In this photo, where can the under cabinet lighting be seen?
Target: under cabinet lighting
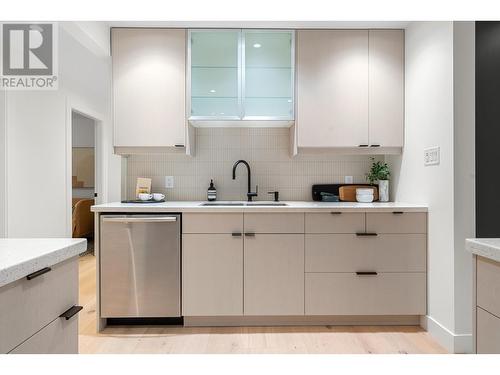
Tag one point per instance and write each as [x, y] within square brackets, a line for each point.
[212, 91]
[257, 45]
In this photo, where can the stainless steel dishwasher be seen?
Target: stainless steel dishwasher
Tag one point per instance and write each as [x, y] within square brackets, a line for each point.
[140, 266]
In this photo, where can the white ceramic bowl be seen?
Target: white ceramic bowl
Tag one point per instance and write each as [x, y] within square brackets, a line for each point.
[364, 198]
[364, 191]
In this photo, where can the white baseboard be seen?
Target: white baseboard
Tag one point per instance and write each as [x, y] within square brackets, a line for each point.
[452, 342]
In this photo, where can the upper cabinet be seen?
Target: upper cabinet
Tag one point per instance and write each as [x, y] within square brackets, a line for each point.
[240, 75]
[149, 84]
[350, 89]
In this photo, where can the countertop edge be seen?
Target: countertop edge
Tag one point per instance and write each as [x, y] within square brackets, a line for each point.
[19, 270]
[486, 250]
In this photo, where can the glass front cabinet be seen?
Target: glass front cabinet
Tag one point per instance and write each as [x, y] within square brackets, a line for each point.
[241, 75]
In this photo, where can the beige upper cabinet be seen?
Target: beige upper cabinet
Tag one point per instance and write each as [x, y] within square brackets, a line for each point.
[149, 69]
[332, 88]
[350, 88]
[386, 88]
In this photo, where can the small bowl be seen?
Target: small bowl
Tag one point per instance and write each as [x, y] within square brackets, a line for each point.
[364, 198]
[364, 191]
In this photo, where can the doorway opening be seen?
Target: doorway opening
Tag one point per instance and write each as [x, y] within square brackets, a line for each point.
[83, 176]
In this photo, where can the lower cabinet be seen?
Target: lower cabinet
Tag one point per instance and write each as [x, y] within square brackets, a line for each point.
[488, 332]
[212, 274]
[59, 337]
[274, 274]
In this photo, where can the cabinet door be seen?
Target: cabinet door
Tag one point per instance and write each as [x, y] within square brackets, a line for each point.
[212, 277]
[386, 87]
[268, 72]
[332, 88]
[149, 87]
[274, 274]
[215, 74]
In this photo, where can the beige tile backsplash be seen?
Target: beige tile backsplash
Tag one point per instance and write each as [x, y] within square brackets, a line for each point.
[267, 152]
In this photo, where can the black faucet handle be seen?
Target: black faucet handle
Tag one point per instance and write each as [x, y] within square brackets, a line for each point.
[276, 195]
[250, 194]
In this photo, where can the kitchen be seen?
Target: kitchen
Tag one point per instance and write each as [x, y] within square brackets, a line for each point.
[261, 187]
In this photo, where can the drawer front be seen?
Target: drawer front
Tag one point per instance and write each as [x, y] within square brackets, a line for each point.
[407, 222]
[335, 222]
[350, 253]
[349, 294]
[488, 333]
[274, 222]
[59, 337]
[488, 285]
[212, 222]
[26, 306]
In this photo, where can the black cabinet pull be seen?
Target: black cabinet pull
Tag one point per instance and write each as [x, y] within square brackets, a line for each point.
[335, 213]
[375, 145]
[250, 234]
[397, 212]
[366, 273]
[179, 146]
[366, 234]
[71, 312]
[35, 274]
[236, 234]
[363, 146]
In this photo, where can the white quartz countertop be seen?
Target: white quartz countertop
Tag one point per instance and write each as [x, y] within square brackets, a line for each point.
[485, 247]
[20, 257]
[311, 206]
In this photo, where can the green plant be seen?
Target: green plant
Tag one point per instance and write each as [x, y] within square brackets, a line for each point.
[378, 171]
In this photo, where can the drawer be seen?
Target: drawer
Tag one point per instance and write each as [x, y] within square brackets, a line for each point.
[274, 222]
[26, 306]
[487, 333]
[212, 222]
[59, 337]
[388, 222]
[349, 294]
[335, 222]
[488, 285]
[350, 253]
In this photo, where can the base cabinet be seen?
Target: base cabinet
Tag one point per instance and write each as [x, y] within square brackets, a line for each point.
[274, 274]
[212, 274]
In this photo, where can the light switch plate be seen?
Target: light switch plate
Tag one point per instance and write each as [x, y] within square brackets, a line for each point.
[431, 156]
[169, 182]
[348, 179]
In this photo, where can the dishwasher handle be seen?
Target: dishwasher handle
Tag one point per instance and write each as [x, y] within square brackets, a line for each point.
[152, 219]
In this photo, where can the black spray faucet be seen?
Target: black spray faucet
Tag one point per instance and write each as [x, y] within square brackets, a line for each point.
[249, 193]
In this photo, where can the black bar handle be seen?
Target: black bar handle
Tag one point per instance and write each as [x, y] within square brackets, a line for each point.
[336, 213]
[250, 234]
[236, 234]
[375, 145]
[71, 312]
[366, 234]
[35, 274]
[397, 212]
[366, 273]
[363, 145]
[179, 146]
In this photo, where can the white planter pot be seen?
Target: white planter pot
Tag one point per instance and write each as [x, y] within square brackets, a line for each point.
[383, 190]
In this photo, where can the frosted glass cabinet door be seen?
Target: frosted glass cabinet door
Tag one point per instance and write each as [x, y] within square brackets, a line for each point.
[215, 74]
[268, 74]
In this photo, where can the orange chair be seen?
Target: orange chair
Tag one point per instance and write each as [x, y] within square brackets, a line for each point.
[83, 218]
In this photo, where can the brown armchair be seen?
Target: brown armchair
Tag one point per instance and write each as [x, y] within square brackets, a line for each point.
[83, 218]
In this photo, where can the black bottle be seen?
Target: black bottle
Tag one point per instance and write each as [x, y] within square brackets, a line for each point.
[211, 192]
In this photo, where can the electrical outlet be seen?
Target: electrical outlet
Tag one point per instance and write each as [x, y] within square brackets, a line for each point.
[348, 179]
[169, 182]
[431, 156]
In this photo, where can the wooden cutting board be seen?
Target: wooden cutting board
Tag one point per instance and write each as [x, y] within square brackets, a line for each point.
[348, 193]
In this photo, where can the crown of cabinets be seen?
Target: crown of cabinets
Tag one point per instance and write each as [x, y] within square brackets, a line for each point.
[241, 75]
[348, 85]
[350, 89]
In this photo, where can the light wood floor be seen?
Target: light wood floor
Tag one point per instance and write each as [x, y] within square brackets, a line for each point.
[169, 339]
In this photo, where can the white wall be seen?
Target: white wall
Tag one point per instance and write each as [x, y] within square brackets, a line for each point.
[82, 131]
[39, 139]
[464, 169]
[3, 185]
[431, 110]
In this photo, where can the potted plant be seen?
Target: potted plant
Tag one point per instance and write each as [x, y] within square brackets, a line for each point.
[379, 173]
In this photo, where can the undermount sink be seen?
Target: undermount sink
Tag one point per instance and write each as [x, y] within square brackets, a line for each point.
[259, 204]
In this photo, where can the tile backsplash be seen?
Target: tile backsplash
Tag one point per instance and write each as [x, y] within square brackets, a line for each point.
[267, 152]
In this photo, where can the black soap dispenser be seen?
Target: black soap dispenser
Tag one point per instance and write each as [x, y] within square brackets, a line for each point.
[211, 192]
